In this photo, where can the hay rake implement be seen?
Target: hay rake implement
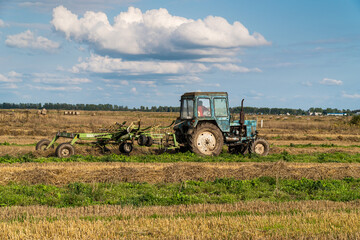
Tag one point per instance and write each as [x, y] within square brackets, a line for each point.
[120, 135]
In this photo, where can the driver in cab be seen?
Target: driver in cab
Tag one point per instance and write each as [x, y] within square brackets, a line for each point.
[202, 110]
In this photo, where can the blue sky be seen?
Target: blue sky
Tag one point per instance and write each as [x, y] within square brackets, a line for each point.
[281, 53]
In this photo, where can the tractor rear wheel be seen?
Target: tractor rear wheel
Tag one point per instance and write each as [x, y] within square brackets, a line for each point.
[64, 150]
[260, 147]
[206, 140]
[42, 144]
[126, 148]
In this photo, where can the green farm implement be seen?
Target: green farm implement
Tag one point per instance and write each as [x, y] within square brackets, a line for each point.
[120, 135]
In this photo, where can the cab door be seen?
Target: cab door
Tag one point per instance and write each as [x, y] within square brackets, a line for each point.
[221, 113]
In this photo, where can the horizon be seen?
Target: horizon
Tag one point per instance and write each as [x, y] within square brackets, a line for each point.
[136, 53]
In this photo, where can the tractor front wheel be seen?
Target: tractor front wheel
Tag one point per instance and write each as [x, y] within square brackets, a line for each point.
[260, 147]
[206, 140]
[65, 150]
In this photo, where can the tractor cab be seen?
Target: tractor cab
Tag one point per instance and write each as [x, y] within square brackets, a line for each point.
[204, 126]
[205, 106]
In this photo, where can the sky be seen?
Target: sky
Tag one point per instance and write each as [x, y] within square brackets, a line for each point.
[279, 53]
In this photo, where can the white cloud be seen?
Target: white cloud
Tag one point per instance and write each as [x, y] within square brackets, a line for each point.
[27, 39]
[154, 33]
[78, 5]
[9, 86]
[217, 60]
[2, 24]
[99, 64]
[50, 88]
[328, 81]
[352, 96]
[11, 77]
[50, 78]
[235, 68]
[30, 4]
[14, 74]
[183, 80]
[133, 90]
[146, 83]
[307, 84]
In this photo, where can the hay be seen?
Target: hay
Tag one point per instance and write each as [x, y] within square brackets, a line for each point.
[64, 173]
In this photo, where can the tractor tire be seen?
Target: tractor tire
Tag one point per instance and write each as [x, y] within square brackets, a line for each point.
[42, 144]
[126, 148]
[149, 142]
[206, 140]
[260, 147]
[65, 150]
[142, 139]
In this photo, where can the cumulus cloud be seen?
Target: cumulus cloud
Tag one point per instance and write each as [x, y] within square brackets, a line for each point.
[28, 39]
[155, 33]
[2, 24]
[328, 81]
[100, 64]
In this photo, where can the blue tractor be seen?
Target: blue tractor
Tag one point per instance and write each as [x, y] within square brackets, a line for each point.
[205, 125]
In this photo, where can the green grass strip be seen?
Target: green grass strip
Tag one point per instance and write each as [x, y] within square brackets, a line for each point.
[337, 157]
[310, 145]
[16, 144]
[189, 192]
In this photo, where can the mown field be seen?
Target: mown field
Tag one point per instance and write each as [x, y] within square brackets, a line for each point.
[308, 187]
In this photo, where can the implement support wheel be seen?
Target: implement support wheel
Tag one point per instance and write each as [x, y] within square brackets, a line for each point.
[42, 144]
[126, 148]
[65, 150]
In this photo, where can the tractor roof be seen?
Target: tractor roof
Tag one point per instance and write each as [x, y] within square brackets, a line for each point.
[204, 94]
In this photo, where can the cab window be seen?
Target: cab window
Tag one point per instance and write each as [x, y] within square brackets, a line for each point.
[220, 107]
[187, 108]
[203, 107]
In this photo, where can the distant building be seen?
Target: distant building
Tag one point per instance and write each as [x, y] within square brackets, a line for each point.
[336, 114]
[315, 113]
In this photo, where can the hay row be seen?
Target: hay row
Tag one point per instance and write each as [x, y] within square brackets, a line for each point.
[306, 224]
[249, 207]
[64, 173]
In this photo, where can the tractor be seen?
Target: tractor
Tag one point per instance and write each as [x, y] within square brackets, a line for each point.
[205, 125]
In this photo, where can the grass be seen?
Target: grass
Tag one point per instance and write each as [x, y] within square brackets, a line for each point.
[16, 144]
[191, 157]
[310, 145]
[188, 192]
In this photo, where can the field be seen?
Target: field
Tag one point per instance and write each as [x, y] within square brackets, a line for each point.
[308, 187]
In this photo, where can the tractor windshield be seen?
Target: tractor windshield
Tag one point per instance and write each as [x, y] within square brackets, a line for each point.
[187, 108]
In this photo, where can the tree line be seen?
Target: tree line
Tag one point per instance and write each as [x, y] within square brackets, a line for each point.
[110, 107]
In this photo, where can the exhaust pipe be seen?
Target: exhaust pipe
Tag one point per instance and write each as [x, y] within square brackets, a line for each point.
[242, 114]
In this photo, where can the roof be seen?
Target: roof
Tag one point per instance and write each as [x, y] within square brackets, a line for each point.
[205, 93]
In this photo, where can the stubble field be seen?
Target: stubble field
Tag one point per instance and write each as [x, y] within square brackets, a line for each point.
[308, 187]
